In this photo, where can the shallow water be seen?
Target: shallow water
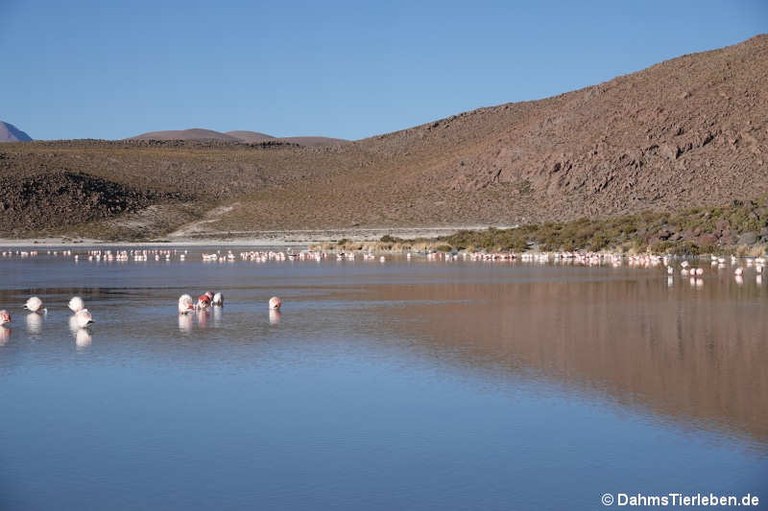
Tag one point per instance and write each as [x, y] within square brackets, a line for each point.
[413, 385]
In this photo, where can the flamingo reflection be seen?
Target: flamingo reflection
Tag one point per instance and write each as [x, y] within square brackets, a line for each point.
[5, 335]
[34, 323]
[83, 338]
[185, 323]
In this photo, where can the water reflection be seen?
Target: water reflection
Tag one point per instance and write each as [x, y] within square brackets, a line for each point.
[83, 338]
[5, 335]
[34, 323]
[186, 323]
[688, 353]
[274, 317]
[202, 318]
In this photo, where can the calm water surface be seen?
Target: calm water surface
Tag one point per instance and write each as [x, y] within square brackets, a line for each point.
[405, 385]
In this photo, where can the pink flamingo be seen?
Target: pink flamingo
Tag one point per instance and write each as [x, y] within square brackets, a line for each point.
[275, 303]
[83, 318]
[204, 300]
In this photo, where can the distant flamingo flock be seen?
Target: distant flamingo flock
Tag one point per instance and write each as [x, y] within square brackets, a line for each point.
[82, 318]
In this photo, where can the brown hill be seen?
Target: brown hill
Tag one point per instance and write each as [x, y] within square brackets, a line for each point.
[690, 131]
[250, 137]
[194, 134]
[314, 141]
[242, 136]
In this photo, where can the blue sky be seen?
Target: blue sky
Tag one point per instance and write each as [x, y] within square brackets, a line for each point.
[114, 69]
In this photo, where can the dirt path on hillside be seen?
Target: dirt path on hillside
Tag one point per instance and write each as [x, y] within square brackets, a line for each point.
[198, 228]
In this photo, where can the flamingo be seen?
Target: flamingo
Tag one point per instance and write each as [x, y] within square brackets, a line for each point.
[34, 304]
[76, 304]
[186, 305]
[275, 303]
[204, 300]
[83, 318]
[218, 299]
[5, 317]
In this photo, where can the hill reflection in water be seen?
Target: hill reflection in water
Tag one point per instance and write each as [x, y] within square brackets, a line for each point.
[691, 354]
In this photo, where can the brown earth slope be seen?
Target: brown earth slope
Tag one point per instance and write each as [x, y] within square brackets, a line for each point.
[690, 131]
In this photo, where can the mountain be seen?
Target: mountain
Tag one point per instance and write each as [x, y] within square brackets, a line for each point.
[314, 141]
[250, 137]
[242, 136]
[194, 134]
[10, 133]
[692, 131]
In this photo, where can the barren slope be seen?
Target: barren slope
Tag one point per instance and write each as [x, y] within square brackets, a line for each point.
[685, 132]
[690, 131]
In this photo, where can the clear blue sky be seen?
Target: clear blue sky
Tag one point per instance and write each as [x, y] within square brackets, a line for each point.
[349, 69]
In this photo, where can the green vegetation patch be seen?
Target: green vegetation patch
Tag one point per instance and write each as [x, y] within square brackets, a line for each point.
[739, 226]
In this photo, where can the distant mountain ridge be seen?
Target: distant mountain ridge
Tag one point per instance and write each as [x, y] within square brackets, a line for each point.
[10, 133]
[242, 136]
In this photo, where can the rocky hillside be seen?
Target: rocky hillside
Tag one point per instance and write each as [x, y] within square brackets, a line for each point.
[692, 131]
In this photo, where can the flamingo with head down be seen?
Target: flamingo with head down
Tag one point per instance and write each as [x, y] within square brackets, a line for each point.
[83, 318]
[34, 304]
[186, 305]
[76, 304]
[275, 303]
[204, 300]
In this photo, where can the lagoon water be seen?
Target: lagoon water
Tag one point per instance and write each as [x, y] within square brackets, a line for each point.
[406, 385]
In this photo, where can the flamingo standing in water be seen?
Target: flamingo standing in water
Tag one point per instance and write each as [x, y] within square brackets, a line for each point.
[204, 300]
[275, 303]
[5, 317]
[76, 304]
[186, 305]
[218, 299]
[83, 318]
[34, 304]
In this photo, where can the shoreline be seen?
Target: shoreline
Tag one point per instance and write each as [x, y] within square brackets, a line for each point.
[267, 238]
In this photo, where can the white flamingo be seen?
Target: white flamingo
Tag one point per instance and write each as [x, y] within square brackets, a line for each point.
[186, 304]
[34, 304]
[5, 317]
[83, 318]
[76, 304]
[218, 299]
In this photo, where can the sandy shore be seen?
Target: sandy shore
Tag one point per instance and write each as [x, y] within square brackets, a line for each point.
[275, 238]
